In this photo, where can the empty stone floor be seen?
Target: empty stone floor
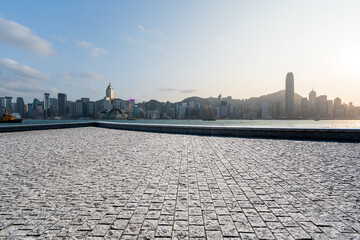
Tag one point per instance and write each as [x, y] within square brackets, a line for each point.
[95, 183]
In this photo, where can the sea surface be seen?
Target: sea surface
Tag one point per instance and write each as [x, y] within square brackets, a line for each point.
[238, 123]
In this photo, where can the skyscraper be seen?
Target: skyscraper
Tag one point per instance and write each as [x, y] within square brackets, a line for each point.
[46, 104]
[110, 92]
[9, 104]
[312, 102]
[20, 105]
[289, 95]
[62, 98]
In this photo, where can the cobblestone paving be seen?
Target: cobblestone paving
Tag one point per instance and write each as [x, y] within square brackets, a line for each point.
[100, 183]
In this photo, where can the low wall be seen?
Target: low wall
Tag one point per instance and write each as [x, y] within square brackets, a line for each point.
[46, 126]
[315, 134]
[322, 134]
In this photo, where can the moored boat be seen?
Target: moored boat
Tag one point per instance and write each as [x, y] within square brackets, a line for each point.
[10, 118]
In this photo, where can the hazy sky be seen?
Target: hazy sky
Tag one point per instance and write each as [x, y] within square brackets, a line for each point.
[169, 50]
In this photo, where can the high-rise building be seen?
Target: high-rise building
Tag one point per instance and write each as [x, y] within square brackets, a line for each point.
[339, 109]
[35, 103]
[330, 108]
[110, 92]
[29, 110]
[2, 106]
[79, 109]
[8, 104]
[304, 107]
[321, 106]
[20, 105]
[289, 95]
[62, 98]
[54, 106]
[312, 103]
[46, 104]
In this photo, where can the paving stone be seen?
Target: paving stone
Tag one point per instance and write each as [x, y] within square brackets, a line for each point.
[164, 231]
[93, 183]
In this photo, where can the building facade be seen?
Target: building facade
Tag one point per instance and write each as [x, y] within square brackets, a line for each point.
[289, 95]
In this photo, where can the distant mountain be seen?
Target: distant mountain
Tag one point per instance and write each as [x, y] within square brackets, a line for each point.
[152, 104]
[197, 100]
[271, 98]
[275, 97]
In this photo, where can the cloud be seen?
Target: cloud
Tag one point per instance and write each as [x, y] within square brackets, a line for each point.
[144, 43]
[97, 51]
[93, 89]
[167, 89]
[22, 37]
[67, 75]
[10, 66]
[20, 80]
[83, 44]
[143, 29]
[177, 90]
[92, 75]
[93, 51]
[60, 39]
[133, 40]
[163, 50]
[188, 90]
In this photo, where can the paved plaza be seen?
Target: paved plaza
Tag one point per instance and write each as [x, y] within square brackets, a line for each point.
[96, 183]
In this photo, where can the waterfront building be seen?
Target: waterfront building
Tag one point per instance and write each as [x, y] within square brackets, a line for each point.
[85, 106]
[70, 109]
[321, 106]
[90, 109]
[39, 111]
[117, 103]
[219, 99]
[265, 114]
[62, 98]
[8, 104]
[46, 104]
[231, 110]
[305, 107]
[312, 103]
[289, 95]
[2, 106]
[339, 109]
[36, 102]
[54, 106]
[180, 112]
[330, 108]
[168, 109]
[20, 106]
[223, 109]
[136, 111]
[79, 109]
[110, 92]
[29, 110]
[131, 105]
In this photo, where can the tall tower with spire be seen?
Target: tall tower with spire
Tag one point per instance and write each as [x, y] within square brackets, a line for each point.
[289, 95]
[110, 92]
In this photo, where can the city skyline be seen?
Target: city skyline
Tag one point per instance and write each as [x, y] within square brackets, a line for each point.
[286, 104]
[171, 51]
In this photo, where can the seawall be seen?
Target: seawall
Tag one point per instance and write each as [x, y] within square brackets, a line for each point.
[313, 134]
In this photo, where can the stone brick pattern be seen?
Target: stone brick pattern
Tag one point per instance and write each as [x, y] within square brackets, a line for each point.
[94, 183]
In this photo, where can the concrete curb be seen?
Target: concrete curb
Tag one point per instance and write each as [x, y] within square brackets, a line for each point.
[47, 126]
[313, 134]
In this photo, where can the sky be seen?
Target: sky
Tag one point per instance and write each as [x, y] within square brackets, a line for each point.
[170, 50]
